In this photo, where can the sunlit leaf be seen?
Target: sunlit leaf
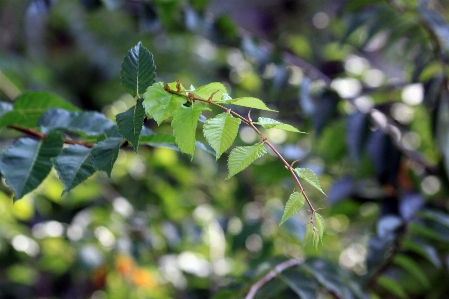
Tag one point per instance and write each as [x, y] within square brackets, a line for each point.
[412, 268]
[308, 175]
[250, 103]
[293, 206]
[160, 104]
[392, 286]
[242, 156]
[215, 88]
[26, 163]
[309, 232]
[269, 123]
[221, 131]
[130, 123]
[105, 153]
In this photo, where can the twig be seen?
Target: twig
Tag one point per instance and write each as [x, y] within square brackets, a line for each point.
[272, 274]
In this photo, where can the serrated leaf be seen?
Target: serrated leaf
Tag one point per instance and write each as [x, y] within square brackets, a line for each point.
[207, 90]
[27, 162]
[308, 175]
[74, 165]
[293, 206]
[250, 103]
[319, 223]
[411, 267]
[309, 231]
[88, 123]
[130, 123]
[315, 237]
[138, 70]
[185, 120]
[29, 107]
[160, 104]
[392, 286]
[221, 131]
[242, 156]
[105, 153]
[269, 123]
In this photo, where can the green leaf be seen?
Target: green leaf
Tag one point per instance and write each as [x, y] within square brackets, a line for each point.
[130, 123]
[392, 286]
[158, 138]
[138, 70]
[29, 107]
[250, 103]
[269, 123]
[160, 104]
[242, 156]
[315, 237]
[293, 206]
[74, 165]
[319, 223]
[308, 175]
[27, 162]
[221, 131]
[309, 232]
[411, 267]
[88, 123]
[185, 120]
[207, 90]
[105, 153]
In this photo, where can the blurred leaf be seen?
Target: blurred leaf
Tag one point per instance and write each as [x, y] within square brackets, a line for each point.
[357, 132]
[293, 206]
[384, 155]
[377, 251]
[160, 104]
[130, 123]
[410, 204]
[105, 153]
[392, 286]
[184, 123]
[29, 107]
[269, 123]
[387, 225]
[242, 156]
[5, 107]
[302, 285]
[221, 131]
[411, 267]
[327, 111]
[341, 189]
[309, 232]
[425, 250]
[319, 222]
[436, 22]
[437, 216]
[442, 129]
[26, 163]
[250, 103]
[158, 138]
[74, 166]
[215, 88]
[138, 70]
[309, 176]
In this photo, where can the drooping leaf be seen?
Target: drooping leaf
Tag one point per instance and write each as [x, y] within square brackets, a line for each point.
[309, 232]
[378, 249]
[425, 250]
[160, 104]
[138, 70]
[250, 103]
[185, 120]
[27, 162]
[327, 274]
[302, 285]
[87, 123]
[308, 175]
[319, 222]
[293, 206]
[74, 165]
[392, 286]
[130, 123]
[207, 90]
[105, 153]
[412, 268]
[221, 131]
[242, 156]
[269, 123]
[29, 107]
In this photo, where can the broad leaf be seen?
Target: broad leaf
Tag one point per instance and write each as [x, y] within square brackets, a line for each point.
[185, 120]
[138, 70]
[105, 153]
[250, 103]
[242, 156]
[293, 206]
[27, 162]
[221, 131]
[207, 90]
[160, 104]
[5, 107]
[392, 286]
[130, 123]
[269, 123]
[308, 175]
[74, 165]
[29, 107]
[88, 123]
[412, 268]
[319, 223]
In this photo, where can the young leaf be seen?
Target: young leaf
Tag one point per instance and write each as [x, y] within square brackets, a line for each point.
[138, 70]
[250, 103]
[412, 268]
[105, 153]
[242, 156]
[293, 206]
[130, 123]
[309, 232]
[27, 162]
[160, 104]
[315, 237]
[185, 120]
[74, 165]
[269, 123]
[220, 132]
[308, 175]
[319, 223]
[29, 107]
[207, 90]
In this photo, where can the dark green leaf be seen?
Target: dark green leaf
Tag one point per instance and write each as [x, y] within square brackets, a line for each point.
[392, 286]
[27, 162]
[105, 153]
[138, 70]
[302, 285]
[412, 268]
[130, 123]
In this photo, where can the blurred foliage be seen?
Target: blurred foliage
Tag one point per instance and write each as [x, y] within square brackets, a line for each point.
[366, 79]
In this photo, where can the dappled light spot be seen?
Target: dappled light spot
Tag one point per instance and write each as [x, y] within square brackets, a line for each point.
[356, 65]
[204, 213]
[104, 235]
[411, 140]
[205, 49]
[413, 94]
[373, 78]
[193, 263]
[364, 103]
[247, 135]
[252, 211]
[234, 225]
[25, 244]
[430, 185]
[402, 113]
[254, 243]
[353, 258]
[347, 87]
[122, 206]
[320, 20]
[48, 229]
